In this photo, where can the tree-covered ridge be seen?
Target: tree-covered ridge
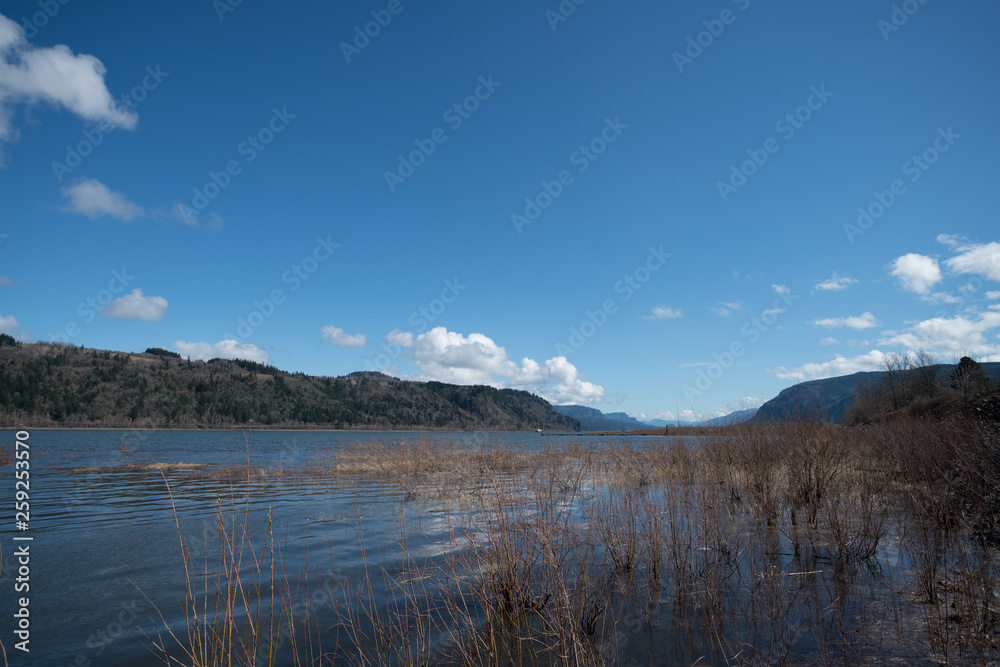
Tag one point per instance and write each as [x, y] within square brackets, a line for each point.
[47, 385]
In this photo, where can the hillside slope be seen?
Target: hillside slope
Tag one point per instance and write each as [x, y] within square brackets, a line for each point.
[829, 398]
[592, 419]
[45, 385]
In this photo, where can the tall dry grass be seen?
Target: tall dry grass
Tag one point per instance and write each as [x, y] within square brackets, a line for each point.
[800, 543]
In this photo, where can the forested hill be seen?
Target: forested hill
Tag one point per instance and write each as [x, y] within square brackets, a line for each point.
[45, 385]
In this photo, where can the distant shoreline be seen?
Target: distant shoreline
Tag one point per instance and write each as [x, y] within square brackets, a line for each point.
[267, 430]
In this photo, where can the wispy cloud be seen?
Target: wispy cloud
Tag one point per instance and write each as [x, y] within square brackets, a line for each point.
[835, 283]
[93, 199]
[857, 322]
[661, 312]
[340, 338]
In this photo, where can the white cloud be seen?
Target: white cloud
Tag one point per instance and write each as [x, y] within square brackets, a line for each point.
[952, 240]
[338, 337]
[952, 337]
[916, 273]
[992, 295]
[224, 349]
[398, 337]
[838, 366]
[54, 75]
[981, 259]
[829, 341]
[135, 306]
[781, 289]
[189, 216]
[10, 326]
[942, 297]
[691, 416]
[726, 308]
[857, 322]
[835, 283]
[448, 356]
[93, 199]
[664, 313]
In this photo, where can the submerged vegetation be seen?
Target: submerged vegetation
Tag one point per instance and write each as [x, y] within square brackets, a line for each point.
[764, 544]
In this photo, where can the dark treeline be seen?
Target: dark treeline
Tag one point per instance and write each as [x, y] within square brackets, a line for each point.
[915, 384]
[55, 385]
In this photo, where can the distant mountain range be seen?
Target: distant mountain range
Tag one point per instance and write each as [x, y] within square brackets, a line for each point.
[592, 419]
[828, 399]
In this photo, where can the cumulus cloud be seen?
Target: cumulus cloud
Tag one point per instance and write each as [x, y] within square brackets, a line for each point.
[916, 273]
[661, 312]
[224, 349]
[952, 337]
[838, 366]
[10, 326]
[135, 306]
[829, 341]
[54, 75]
[835, 283]
[94, 199]
[781, 289]
[857, 322]
[337, 336]
[449, 356]
[992, 295]
[980, 259]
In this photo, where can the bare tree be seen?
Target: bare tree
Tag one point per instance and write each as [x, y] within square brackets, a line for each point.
[898, 377]
[927, 373]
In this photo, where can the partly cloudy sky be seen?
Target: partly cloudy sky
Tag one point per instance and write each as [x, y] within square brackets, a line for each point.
[584, 217]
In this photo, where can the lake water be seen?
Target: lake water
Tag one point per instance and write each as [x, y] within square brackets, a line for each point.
[106, 572]
[107, 575]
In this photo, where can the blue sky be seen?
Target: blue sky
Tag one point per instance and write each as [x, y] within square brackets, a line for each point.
[651, 207]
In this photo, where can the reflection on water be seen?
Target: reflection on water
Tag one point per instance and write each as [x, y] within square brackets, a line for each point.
[633, 571]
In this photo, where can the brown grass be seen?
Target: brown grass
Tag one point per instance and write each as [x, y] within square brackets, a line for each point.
[789, 544]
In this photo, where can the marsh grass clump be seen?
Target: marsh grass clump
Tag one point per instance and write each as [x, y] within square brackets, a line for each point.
[802, 543]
